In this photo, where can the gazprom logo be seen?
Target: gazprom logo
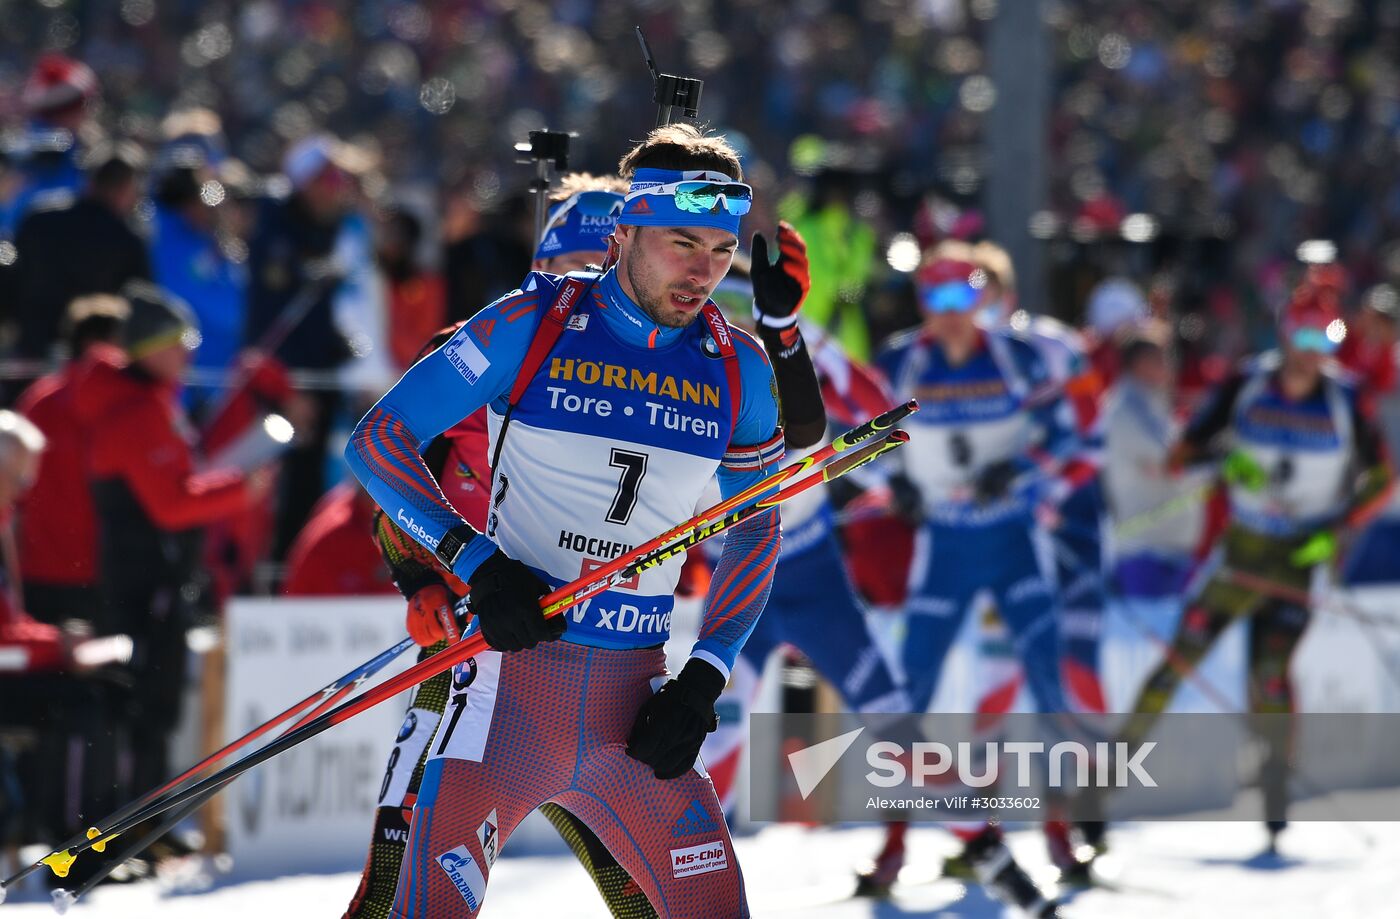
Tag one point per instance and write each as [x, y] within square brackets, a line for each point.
[464, 873]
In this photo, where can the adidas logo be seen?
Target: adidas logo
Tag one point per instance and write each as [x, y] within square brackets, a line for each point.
[694, 821]
[639, 206]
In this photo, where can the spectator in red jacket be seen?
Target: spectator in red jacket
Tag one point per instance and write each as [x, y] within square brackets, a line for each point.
[57, 527]
[66, 772]
[152, 505]
[26, 645]
[333, 555]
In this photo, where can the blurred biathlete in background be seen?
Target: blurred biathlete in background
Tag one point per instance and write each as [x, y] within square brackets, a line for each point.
[994, 427]
[576, 722]
[1305, 469]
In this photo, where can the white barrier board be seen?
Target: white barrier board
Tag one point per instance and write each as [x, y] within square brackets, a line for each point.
[309, 809]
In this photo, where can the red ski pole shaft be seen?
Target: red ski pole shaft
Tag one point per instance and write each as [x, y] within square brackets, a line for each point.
[575, 592]
[330, 691]
[853, 438]
[133, 846]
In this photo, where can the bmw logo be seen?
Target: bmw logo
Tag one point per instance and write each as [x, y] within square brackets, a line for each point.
[464, 673]
[410, 722]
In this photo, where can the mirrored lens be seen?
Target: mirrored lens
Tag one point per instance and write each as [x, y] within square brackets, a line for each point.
[948, 298]
[1309, 339]
[598, 203]
[707, 197]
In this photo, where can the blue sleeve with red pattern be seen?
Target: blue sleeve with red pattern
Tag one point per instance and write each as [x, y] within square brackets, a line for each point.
[475, 367]
[744, 574]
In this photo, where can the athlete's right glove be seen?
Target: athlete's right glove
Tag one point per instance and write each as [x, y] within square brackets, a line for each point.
[672, 724]
[779, 289]
[432, 616]
[506, 598]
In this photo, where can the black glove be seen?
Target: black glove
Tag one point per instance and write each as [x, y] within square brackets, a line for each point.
[506, 598]
[673, 723]
[995, 481]
[779, 289]
[906, 500]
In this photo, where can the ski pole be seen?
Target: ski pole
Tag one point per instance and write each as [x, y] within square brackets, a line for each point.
[1192, 674]
[63, 899]
[644, 557]
[854, 437]
[1305, 599]
[350, 680]
[553, 603]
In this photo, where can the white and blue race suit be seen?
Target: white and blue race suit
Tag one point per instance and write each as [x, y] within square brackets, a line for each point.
[999, 405]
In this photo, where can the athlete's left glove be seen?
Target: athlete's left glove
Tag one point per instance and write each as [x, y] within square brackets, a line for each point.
[672, 724]
[1318, 549]
[432, 616]
[506, 598]
[779, 288]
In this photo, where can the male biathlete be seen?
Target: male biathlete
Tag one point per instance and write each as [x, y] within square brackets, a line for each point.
[604, 436]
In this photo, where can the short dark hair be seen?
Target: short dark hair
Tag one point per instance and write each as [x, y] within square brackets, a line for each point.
[94, 318]
[115, 167]
[684, 147]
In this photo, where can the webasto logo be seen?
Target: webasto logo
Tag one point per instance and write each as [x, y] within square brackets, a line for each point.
[409, 525]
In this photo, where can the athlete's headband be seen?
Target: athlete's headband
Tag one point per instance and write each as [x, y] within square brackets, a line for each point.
[582, 223]
[690, 198]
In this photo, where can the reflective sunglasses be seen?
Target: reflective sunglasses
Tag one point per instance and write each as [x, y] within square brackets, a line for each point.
[957, 297]
[594, 204]
[696, 197]
[1309, 338]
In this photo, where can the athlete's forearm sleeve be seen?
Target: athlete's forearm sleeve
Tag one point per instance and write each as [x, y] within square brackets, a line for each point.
[385, 449]
[744, 573]
[1061, 447]
[799, 393]
[412, 566]
[1213, 419]
[738, 590]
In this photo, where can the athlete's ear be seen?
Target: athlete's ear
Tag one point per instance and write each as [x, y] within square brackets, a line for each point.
[614, 250]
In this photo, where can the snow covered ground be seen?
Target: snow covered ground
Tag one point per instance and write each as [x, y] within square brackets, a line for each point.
[1324, 870]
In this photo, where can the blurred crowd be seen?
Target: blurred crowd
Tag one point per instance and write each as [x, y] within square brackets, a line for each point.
[225, 228]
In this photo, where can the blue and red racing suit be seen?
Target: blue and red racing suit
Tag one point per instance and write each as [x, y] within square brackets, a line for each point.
[609, 444]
